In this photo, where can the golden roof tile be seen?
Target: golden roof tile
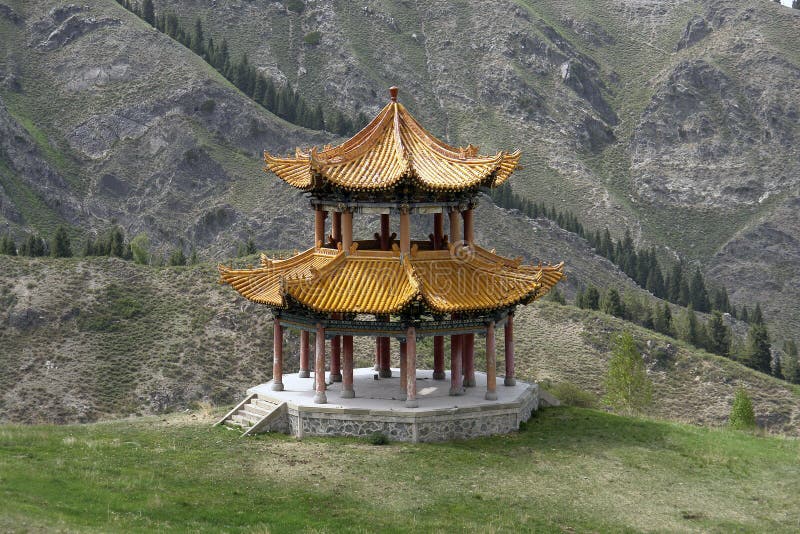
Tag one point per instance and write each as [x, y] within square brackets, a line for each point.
[381, 282]
[392, 147]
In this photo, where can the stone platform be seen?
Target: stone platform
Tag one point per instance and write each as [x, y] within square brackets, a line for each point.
[378, 407]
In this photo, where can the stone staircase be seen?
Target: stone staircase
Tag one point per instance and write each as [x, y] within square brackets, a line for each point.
[254, 415]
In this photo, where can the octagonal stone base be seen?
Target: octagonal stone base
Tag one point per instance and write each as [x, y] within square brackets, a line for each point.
[378, 407]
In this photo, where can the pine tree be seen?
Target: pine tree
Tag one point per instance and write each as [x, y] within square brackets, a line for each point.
[198, 39]
[116, 243]
[8, 245]
[628, 388]
[744, 316]
[556, 296]
[791, 366]
[758, 348]
[592, 298]
[675, 280]
[663, 319]
[606, 245]
[719, 335]
[697, 290]
[758, 317]
[148, 12]
[742, 415]
[580, 300]
[612, 304]
[140, 249]
[61, 247]
[177, 258]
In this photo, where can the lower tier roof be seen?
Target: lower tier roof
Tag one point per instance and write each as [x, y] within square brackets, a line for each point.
[460, 279]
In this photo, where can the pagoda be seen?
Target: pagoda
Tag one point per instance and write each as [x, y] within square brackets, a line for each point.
[387, 286]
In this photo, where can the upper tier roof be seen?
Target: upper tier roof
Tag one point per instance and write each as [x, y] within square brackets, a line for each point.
[391, 147]
[377, 282]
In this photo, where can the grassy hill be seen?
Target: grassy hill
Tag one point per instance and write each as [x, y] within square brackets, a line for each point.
[569, 470]
[84, 339]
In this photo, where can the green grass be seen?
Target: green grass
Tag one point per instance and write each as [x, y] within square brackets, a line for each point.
[570, 470]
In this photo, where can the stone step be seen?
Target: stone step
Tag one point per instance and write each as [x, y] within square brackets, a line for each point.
[251, 416]
[263, 403]
[259, 409]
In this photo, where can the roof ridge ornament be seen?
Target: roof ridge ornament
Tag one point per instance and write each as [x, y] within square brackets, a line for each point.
[393, 93]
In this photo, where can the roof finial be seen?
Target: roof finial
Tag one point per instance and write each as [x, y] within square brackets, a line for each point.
[393, 93]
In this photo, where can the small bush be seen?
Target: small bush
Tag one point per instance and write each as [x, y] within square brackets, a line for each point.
[378, 438]
[742, 415]
[571, 395]
[312, 38]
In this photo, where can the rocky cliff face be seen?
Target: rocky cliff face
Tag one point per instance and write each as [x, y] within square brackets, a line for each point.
[677, 119]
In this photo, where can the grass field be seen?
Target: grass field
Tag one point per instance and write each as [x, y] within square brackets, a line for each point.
[569, 470]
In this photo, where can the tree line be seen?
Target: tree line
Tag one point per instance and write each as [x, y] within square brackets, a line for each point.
[677, 284]
[111, 243]
[281, 99]
[712, 335]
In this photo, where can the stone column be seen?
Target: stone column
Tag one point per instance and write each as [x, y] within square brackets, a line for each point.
[491, 364]
[378, 346]
[319, 226]
[304, 369]
[336, 359]
[510, 379]
[438, 230]
[277, 356]
[405, 231]
[455, 230]
[336, 227]
[403, 369]
[386, 358]
[469, 233]
[347, 364]
[411, 363]
[456, 377]
[319, 367]
[347, 230]
[438, 358]
[468, 349]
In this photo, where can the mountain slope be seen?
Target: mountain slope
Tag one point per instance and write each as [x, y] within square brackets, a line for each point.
[88, 339]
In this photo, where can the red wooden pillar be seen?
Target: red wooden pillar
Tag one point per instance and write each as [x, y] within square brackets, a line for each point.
[469, 359]
[438, 358]
[456, 377]
[277, 356]
[386, 363]
[385, 245]
[336, 359]
[510, 379]
[319, 367]
[491, 364]
[455, 230]
[411, 363]
[319, 227]
[403, 369]
[347, 377]
[438, 230]
[304, 369]
[469, 234]
[347, 230]
[336, 227]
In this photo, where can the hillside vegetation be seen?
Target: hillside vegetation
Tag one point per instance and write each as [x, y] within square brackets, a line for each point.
[568, 470]
[84, 339]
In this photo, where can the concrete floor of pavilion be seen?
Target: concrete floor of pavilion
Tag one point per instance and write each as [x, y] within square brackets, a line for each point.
[385, 394]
